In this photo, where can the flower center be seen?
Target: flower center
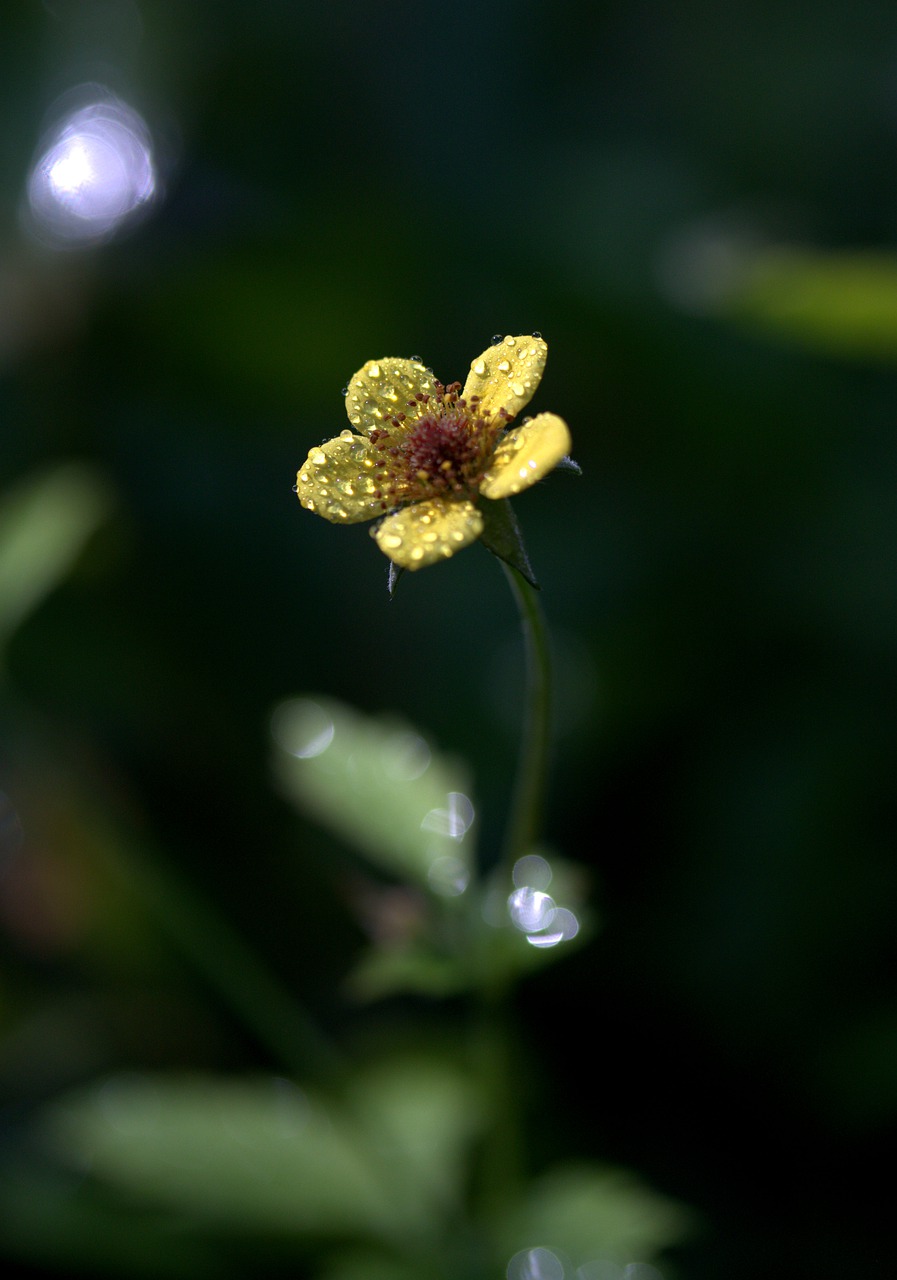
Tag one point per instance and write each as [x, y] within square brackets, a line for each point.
[444, 452]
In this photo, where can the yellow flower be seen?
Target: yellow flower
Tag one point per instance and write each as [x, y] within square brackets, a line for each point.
[426, 453]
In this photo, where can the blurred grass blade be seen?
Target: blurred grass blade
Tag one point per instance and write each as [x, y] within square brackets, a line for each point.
[44, 523]
[380, 786]
[843, 304]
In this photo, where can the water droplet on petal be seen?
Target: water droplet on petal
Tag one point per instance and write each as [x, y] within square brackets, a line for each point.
[518, 388]
[536, 333]
[319, 457]
[504, 366]
[496, 338]
[392, 540]
[373, 371]
[479, 367]
[510, 342]
[346, 434]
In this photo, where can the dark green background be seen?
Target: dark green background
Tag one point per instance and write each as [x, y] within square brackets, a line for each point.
[355, 180]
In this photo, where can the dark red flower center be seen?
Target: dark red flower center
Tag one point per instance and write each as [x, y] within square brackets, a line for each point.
[446, 451]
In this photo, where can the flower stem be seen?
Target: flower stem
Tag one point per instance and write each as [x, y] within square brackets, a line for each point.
[524, 822]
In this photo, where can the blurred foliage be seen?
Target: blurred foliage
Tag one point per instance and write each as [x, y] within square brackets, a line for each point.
[697, 207]
[44, 524]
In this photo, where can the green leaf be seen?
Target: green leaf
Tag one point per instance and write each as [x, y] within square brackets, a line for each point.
[261, 1155]
[368, 1265]
[425, 1112]
[389, 971]
[44, 524]
[378, 784]
[587, 1213]
[501, 535]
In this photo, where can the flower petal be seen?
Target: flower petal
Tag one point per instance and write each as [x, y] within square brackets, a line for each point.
[507, 375]
[525, 455]
[383, 388]
[428, 531]
[337, 480]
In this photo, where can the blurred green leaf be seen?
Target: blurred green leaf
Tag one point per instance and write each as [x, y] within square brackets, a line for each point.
[389, 971]
[366, 1265]
[380, 786]
[262, 1155]
[841, 303]
[59, 1222]
[426, 1112]
[44, 523]
[255, 1153]
[587, 1212]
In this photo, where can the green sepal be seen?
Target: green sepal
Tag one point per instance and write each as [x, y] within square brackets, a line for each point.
[501, 535]
[568, 464]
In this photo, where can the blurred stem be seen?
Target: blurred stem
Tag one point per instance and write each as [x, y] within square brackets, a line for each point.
[525, 818]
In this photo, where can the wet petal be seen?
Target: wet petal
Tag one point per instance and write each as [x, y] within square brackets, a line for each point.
[525, 455]
[386, 387]
[337, 480]
[507, 375]
[428, 531]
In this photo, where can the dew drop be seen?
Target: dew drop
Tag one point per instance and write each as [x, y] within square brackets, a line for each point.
[303, 476]
[392, 540]
[504, 366]
[510, 342]
[417, 553]
[345, 391]
[479, 367]
[346, 435]
[457, 535]
[416, 360]
[373, 371]
[318, 457]
[536, 333]
[496, 338]
[518, 388]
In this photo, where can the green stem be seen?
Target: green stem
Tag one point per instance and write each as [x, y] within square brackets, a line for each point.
[525, 819]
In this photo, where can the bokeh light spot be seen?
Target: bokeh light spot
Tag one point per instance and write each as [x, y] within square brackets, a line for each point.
[535, 1264]
[95, 171]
